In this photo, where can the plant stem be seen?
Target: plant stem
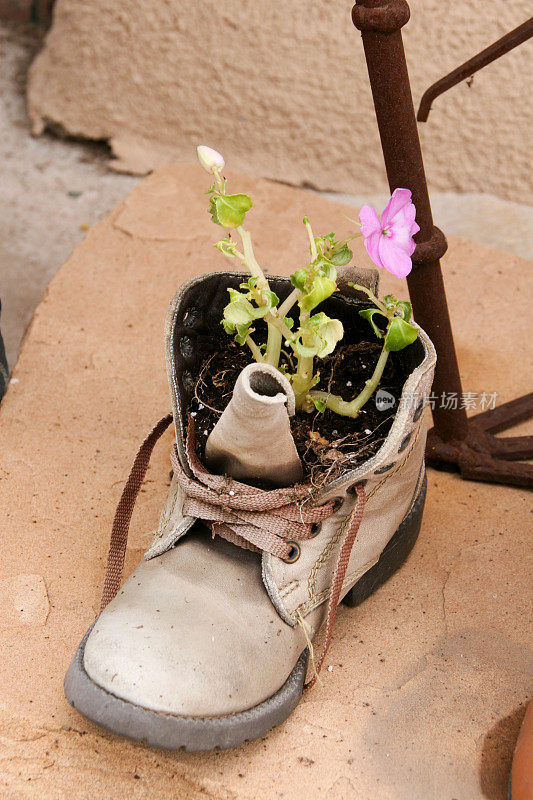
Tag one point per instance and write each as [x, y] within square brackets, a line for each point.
[271, 318]
[250, 259]
[274, 336]
[303, 379]
[240, 256]
[287, 304]
[256, 352]
[273, 348]
[277, 330]
[219, 181]
[302, 382]
[352, 408]
[371, 296]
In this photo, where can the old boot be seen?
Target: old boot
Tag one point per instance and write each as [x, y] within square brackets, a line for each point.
[206, 645]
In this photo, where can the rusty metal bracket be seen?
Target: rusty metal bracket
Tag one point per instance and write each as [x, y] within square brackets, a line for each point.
[484, 457]
[487, 56]
[467, 444]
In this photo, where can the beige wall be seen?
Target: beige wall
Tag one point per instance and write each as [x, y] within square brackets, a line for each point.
[280, 86]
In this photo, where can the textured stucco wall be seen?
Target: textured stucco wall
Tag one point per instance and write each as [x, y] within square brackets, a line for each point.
[281, 88]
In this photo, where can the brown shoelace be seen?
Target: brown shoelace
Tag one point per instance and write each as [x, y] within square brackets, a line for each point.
[255, 519]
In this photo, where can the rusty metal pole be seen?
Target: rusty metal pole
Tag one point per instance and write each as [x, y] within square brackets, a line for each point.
[467, 444]
[380, 22]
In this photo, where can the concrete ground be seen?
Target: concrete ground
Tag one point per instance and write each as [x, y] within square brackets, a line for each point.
[427, 680]
[53, 190]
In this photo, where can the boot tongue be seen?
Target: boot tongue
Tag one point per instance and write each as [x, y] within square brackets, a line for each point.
[252, 440]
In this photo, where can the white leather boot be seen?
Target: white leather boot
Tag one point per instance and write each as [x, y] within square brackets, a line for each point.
[207, 643]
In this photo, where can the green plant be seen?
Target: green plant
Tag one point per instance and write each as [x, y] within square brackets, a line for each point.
[313, 335]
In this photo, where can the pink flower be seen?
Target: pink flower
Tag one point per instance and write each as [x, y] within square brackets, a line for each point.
[389, 238]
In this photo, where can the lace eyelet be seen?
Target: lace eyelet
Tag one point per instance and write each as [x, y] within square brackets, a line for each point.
[316, 527]
[351, 489]
[294, 553]
[338, 502]
[404, 443]
[381, 470]
[419, 410]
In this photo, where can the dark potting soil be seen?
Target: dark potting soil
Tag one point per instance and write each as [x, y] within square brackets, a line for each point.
[327, 443]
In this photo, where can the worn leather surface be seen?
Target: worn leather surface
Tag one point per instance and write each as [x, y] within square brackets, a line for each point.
[391, 477]
[173, 523]
[193, 632]
[252, 440]
[203, 627]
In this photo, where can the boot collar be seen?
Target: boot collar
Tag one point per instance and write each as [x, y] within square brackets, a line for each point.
[196, 309]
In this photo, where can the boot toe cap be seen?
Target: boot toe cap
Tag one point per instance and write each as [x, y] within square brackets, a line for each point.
[193, 633]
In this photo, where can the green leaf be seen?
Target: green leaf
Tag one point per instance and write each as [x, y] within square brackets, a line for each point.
[235, 296]
[318, 404]
[368, 314]
[322, 289]
[303, 350]
[239, 312]
[328, 270]
[228, 210]
[231, 325]
[251, 283]
[322, 334]
[325, 243]
[289, 322]
[270, 297]
[242, 333]
[400, 334]
[342, 256]
[298, 279]
[405, 310]
[329, 331]
[390, 302]
[226, 247]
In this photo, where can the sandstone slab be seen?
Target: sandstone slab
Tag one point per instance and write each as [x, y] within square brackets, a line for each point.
[428, 677]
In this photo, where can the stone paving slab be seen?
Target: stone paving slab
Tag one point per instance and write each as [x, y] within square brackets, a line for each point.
[429, 676]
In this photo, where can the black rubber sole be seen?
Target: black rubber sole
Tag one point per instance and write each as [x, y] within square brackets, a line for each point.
[173, 732]
[200, 734]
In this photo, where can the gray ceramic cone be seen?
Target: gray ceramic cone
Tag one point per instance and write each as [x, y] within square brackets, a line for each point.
[252, 439]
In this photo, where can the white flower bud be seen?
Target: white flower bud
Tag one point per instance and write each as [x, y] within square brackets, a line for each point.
[209, 158]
